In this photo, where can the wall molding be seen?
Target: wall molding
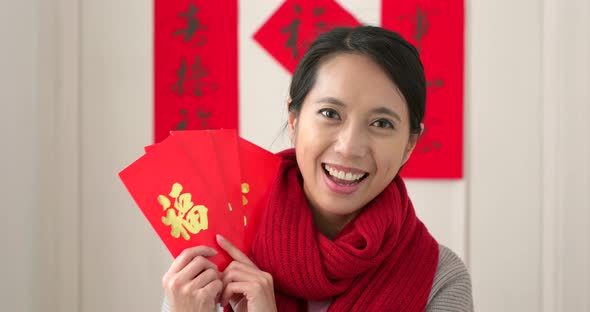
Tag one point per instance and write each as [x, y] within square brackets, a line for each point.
[59, 93]
[550, 214]
[566, 156]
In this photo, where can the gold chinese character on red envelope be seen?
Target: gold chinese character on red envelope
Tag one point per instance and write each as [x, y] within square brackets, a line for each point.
[184, 217]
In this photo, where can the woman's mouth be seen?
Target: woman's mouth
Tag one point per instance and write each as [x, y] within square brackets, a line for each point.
[341, 179]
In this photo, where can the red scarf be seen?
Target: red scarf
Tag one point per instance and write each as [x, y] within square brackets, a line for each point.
[384, 259]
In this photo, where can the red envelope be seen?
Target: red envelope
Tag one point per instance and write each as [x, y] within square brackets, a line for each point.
[148, 148]
[221, 171]
[226, 146]
[181, 206]
[259, 169]
[206, 156]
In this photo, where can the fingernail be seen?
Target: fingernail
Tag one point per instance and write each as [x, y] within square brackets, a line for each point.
[220, 239]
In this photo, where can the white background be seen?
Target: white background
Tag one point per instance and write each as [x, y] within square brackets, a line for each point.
[76, 107]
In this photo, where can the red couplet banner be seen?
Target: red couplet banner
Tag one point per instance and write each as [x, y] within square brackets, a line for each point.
[196, 65]
[436, 28]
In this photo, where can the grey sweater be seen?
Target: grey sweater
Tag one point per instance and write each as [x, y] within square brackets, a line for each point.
[451, 289]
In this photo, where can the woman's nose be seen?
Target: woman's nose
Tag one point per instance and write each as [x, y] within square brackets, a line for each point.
[352, 142]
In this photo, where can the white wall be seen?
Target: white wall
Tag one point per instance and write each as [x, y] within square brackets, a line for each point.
[506, 139]
[566, 163]
[19, 160]
[529, 151]
[122, 260]
[520, 218]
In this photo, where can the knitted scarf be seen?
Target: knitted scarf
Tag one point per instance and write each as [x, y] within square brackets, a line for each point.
[383, 259]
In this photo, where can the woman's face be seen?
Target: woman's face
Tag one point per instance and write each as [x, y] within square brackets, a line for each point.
[351, 136]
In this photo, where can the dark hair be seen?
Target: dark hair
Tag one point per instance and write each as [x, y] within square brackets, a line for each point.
[396, 56]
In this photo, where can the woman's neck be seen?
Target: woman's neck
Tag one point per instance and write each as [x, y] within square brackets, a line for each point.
[328, 224]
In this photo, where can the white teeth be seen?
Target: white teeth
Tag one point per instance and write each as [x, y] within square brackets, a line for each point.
[342, 175]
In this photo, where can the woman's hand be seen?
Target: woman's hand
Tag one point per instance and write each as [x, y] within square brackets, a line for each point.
[246, 287]
[192, 282]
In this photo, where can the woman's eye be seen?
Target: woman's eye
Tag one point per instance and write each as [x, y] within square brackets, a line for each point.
[330, 113]
[383, 123]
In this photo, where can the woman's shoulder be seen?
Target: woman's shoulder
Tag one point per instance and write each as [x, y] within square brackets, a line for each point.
[451, 288]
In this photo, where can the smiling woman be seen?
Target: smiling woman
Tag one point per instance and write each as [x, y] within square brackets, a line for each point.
[339, 232]
[354, 121]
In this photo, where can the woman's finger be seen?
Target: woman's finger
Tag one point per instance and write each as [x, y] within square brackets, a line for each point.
[239, 272]
[233, 251]
[255, 296]
[214, 288]
[185, 257]
[195, 268]
[203, 279]
[234, 290]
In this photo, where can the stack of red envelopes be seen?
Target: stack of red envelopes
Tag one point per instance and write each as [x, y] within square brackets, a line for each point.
[196, 184]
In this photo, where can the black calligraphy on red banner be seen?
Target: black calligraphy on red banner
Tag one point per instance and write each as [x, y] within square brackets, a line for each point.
[196, 78]
[436, 28]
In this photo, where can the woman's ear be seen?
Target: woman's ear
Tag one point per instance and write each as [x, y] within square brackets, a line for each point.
[291, 122]
[414, 137]
[292, 125]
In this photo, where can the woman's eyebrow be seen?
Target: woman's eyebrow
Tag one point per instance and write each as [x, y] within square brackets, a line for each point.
[387, 111]
[331, 100]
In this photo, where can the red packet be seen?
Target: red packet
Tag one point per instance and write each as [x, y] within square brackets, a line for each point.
[181, 207]
[148, 148]
[201, 149]
[226, 147]
[259, 169]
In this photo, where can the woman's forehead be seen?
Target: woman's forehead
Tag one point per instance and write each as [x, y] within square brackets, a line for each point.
[354, 78]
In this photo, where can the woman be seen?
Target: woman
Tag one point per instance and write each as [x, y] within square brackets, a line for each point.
[339, 232]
